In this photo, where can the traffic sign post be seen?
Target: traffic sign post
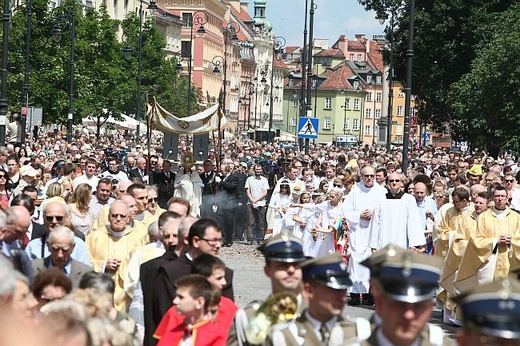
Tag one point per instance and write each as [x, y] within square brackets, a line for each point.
[308, 128]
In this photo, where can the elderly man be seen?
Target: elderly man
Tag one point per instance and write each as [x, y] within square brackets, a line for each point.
[109, 247]
[325, 283]
[396, 220]
[403, 284]
[358, 207]
[55, 213]
[13, 226]
[153, 205]
[61, 242]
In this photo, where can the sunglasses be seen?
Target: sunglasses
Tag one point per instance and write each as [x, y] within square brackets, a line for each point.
[50, 218]
[507, 180]
[369, 175]
[150, 200]
[115, 216]
[3, 176]
[394, 180]
[338, 185]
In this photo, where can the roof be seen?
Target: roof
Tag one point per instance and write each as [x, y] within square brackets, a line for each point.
[279, 62]
[333, 52]
[375, 57]
[241, 15]
[337, 78]
[175, 13]
[355, 46]
[291, 49]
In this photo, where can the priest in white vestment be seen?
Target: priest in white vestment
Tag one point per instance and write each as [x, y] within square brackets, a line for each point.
[396, 219]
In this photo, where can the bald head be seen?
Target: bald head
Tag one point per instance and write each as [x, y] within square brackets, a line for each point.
[54, 214]
[420, 191]
[18, 220]
[476, 189]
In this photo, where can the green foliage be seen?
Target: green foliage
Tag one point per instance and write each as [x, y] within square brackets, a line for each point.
[449, 36]
[105, 83]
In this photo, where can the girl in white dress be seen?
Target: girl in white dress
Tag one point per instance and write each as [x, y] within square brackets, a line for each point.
[280, 203]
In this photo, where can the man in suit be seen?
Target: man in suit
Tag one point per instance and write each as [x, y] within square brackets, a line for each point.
[164, 180]
[227, 201]
[205, 236]
[210, 181]
[325, 283]
[140, 171]
[403, 284]
[60, 243]
[148, 271]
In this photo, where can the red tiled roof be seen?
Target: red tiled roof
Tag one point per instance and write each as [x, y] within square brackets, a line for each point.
[241, 15]
[330, 53]
[337, 78]
[278, 62]
[375, 58]
[356, 45]
[341, 38]
[291, 49]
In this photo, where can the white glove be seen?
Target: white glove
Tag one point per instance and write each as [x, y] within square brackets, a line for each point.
[218, 180]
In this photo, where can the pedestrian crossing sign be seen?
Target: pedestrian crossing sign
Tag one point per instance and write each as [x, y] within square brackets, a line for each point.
[308, 127]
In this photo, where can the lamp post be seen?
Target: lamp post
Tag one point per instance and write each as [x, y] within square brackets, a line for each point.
[381, 16]
[344, 106]
[26, 72]
[278, 45]
[57, 33]
[408, 87]
[200, 18]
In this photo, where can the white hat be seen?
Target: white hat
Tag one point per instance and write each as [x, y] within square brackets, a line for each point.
[28, 170]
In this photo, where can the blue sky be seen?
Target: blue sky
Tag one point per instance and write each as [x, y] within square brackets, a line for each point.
[332, 18]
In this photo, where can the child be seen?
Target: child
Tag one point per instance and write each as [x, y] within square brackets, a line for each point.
[213, 269]
[193, 298]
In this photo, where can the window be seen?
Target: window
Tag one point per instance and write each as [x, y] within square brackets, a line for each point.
[326, 123]
[401, 93]
[355, 125]
[293, 122]
[368, 113]
[351, 57]
[369, 79]
[359, 57]
[399, 111]
[399, 130]
[368, 131]
[379, 96]
[369, 96]
[378, 113]
[328, 103]
[345, 124]
[186, 19]
[347, 104]
[379, 80]
[291, 82]
[185, 49]
[295, 102]
[356, 104]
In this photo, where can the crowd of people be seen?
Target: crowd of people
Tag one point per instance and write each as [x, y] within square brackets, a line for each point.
[112, 244]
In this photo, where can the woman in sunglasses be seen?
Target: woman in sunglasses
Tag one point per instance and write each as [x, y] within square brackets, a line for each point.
[5, 193]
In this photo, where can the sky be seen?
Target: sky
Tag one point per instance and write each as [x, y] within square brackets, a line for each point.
[332, 18]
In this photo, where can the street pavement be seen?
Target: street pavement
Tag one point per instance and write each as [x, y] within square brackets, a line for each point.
[250, 282]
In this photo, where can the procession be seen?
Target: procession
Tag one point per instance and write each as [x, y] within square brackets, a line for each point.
[120, 246]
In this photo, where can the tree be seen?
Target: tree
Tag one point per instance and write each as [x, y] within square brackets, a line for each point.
[447, 33]
[485, 101]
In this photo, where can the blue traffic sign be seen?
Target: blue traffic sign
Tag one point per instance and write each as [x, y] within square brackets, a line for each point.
[308, 128]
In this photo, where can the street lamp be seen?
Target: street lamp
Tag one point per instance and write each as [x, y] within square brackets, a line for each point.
[200, 18]
[344, 106]
[5, 60]
[408, 86]
[57, 33]
[381, 16]
[278, 46]
[26, 74]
